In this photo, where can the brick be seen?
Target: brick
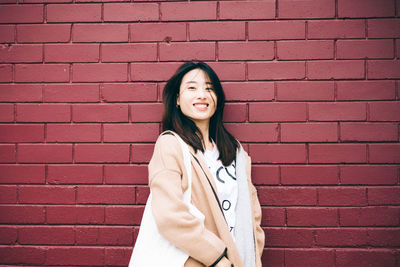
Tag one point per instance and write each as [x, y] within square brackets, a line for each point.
[100, 113]
[8, 235]
[384, 237]
[6, 73]
[42, 73]
[142, 194]
[131, 12]
[312, 217]
[278, 153]
[254, 132]
[45, 235]
[7, 153]
[188, 11]
[273, 216]
[369, 8]
[104, 236]
[101, 72]
[74, 174]
[247, 10]
[128, 52]
[6, 112]
[160, 71]
[277, 70]
[248, 91]
[100, 33]
[71, 53]
[306, 9]
[337, 153]
[384, 111]
[383, 28]
[22, 254]
[20, 214]
[264, 174]
[71, 93]
[98, 153]
[14, 53]
[126, 174]
[341, 237]
[339, 111]
[383, 69]
[124, 215]
[314, 49]
[309, 257]
[75, 256]
[21, 13]
[187, 51]
[44, 33]
[20, 133]
[151, 32]
[384, 153]
[277, 111]
[288, 237]
[246, 50]
[43, 113]
[45, 153]
[309, 132]
[117, 256]
[336, 69]
[368, 175]
[7, 33]
[305, 90]
[20, 93]
[75, 214]
[130, 92]
[73, 13]
[365, 257]
[235, 112]
[365, 90]
[368, 132]
[106, 195]
[141, 153]
[309, 174]
[16, 174]
[274, 257]
[342, 196]
[212, 31]
[46, 194]
[276, 30]
[229, 71]
[383, 195]
[335, 29]
[369, 49]
[146, 112]
[73, 133]
[139, 132]
[8, 194]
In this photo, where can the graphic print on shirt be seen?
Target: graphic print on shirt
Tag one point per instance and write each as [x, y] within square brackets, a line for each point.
[227, 171]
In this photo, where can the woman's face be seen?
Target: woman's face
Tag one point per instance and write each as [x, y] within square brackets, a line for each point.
[196, 98]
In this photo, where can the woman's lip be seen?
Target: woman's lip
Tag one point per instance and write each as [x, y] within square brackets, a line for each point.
[201, 106]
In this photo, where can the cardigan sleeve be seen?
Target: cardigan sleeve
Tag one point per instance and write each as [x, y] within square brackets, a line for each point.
[256, 207]
[171, 214]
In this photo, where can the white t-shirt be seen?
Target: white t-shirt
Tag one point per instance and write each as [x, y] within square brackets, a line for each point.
[225, 179]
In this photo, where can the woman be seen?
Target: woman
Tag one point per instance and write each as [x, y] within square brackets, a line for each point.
[221, 186]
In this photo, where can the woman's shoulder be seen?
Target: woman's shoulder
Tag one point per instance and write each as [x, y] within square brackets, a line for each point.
[167, 141]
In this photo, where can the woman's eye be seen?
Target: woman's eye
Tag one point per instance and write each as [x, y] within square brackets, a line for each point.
[191, 88]
[209, 88]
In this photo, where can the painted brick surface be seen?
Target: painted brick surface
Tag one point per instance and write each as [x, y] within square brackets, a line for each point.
[313, 94]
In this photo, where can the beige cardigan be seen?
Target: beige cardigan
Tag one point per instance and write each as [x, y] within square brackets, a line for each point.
[168, 180]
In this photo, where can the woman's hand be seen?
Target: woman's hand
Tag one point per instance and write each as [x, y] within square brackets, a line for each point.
[224, 262]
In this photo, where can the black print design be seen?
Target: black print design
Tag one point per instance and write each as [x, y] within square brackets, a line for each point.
[230, 230]
[226, 204]
[227, 172]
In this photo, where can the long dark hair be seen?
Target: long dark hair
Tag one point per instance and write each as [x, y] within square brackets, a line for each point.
[175, 120]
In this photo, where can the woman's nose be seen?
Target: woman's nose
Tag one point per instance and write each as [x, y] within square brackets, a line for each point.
[201, 93]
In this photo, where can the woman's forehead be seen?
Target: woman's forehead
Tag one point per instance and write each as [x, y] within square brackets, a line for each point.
[196, 76]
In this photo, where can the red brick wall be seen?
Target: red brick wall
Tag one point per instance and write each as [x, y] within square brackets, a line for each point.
[313, 93]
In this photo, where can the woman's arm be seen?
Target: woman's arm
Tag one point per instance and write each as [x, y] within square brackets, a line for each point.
[171, 214]
[259, 232]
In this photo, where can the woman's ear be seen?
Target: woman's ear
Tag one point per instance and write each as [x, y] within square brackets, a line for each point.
[177, 101]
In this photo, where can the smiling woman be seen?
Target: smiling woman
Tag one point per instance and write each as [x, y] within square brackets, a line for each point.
[216, 172]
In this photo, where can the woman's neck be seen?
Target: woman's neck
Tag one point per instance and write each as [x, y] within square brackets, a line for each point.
[204, 129]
